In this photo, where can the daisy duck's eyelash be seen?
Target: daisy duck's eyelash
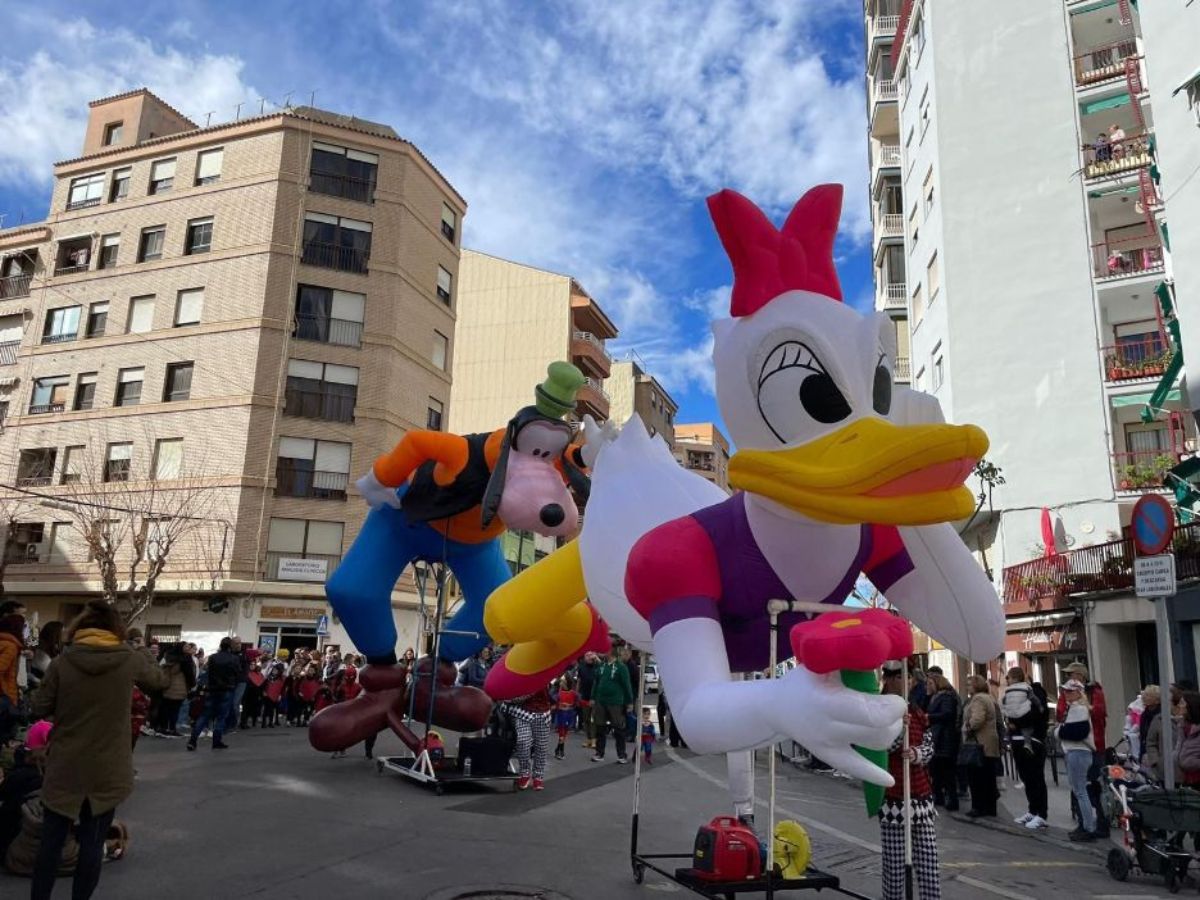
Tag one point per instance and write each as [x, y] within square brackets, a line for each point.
[789, 355]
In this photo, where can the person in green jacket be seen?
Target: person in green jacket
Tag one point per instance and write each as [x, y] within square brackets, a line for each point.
[612, 698]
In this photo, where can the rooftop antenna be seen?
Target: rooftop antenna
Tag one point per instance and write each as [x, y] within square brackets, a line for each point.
[208, 118]
[287, 100]
[238, 115]
[312, 99]
[262, 105]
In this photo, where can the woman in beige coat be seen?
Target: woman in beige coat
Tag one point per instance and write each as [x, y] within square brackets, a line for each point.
[980, 747]
[89, 766]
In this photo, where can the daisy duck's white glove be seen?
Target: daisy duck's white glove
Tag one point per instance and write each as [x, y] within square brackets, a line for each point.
[375, 493]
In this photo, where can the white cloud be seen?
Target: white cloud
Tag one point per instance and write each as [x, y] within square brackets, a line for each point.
[44, 95]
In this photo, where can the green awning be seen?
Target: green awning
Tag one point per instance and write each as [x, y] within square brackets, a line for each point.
[1087, 109]
[1112, 192]
[1142, 399]
[1187, 81]
[1166, 236]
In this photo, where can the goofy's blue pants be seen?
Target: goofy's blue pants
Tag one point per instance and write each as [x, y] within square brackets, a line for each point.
[361, 587]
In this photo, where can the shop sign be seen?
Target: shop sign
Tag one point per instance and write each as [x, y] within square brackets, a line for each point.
[293, 569]
[291, 613]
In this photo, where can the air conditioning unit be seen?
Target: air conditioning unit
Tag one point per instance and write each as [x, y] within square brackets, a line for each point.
[33, 552]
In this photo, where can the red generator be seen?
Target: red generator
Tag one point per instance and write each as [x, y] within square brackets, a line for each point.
[726, 850]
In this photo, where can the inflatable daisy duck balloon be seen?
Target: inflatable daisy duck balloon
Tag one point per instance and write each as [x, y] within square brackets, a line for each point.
[839, 472]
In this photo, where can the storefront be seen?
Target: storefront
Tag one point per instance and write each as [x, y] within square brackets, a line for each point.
[1043, 645]
[291, 627]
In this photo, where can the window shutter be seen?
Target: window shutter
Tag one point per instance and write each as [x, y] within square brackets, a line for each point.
[169, 459]
[348, 306]
[191, 303]
[362, 156]
[355, 225]
[163, 169]
[210, 163]
[296, 448]
[141, 315]
[341, 374]
[332, 457]
[302, 368]
[325, 537]
[286, 535]
[129, 376]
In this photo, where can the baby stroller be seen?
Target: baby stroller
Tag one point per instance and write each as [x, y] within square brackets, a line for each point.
[1154, 822]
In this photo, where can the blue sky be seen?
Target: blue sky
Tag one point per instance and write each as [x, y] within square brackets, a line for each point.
[584, 136]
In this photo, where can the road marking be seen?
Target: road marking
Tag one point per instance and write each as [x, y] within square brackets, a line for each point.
[1027, 864]
[990, 888]
[802, 819]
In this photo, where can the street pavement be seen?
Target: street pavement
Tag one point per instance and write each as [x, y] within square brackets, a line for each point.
[270, 816]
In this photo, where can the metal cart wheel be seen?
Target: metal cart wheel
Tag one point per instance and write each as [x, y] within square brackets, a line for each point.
[439, 788]
[379, 767]
[1118, 864]
[639, 873]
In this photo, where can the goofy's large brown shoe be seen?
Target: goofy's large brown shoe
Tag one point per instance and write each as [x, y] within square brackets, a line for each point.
[455, 707]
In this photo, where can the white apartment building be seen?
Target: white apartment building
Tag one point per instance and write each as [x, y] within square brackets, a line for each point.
[1032, 257]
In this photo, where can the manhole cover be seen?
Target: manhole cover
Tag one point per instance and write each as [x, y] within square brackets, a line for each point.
[497, 892]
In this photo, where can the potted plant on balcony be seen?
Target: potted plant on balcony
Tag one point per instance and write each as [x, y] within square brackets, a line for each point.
[1129, 476]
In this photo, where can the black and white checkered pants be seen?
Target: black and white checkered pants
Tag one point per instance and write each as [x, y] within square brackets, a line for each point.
[533, 740]
[924, 843]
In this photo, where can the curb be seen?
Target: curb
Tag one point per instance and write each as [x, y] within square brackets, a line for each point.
[1051, 836]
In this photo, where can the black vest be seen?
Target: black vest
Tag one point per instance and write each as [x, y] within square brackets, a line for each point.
[427, 501]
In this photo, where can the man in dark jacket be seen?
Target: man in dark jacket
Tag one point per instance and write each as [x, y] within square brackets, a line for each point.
[587, 676]
[612, 696]
[224, 669]
[475, 670]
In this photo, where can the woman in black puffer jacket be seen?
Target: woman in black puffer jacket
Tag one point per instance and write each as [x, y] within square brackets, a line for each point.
[945, 715]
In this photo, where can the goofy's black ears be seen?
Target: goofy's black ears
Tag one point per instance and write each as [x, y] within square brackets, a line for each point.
[495, 486]
[580, 483]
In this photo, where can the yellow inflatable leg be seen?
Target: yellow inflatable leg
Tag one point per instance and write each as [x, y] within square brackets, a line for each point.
[564, 641]
[528, 606]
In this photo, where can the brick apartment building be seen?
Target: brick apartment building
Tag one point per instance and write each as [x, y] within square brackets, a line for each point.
[252, 312]
[700, 447]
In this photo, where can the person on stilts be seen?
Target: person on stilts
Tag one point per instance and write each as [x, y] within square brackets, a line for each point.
[906, 818]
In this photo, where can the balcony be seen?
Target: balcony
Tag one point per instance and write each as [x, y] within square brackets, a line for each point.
[888, 156]
[594, 398]
[1143, 470]
[883, 90]
[1104, 63]
[13, 286]
[316, 404]
[292, 480]
[346, 186]
[888, 227]
[1047, 582]
[884, 27]
[326, 330]
[281, 566]
[1127, 258]
[590, 350]
[8, 353]
[335, 256]
[902, 371]
[1104, 160]
[895, 297]
[39, 409]
[1147, 357]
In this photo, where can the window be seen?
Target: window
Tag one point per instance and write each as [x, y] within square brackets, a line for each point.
[129, 386]
[199, 236]
[151, 246]
[168, 458]
[924, 112]
[74, 255]
[36, 467]
[939, 372]
[72, 469]
[208, 165]
[342, 172]
[918, 36]
[919, 381]
[914, 229]
[178, 383]
[49, 394]
[444, 283]
[918, 305]
[97, 319]
[932, 277]
[62, 324]
[303, 539]
[25, 542]
[336, 243]
[110, 244]
[120, 185]
[162, 176]
[85, 390]
[449, 222]
[441, 348]
[320, 391]
[118, 461]
[188, 306]
[332, 317]
[113, 132]
[309, 468]
[141, 315]
[927, 193]
[86, 190]
[433, 417]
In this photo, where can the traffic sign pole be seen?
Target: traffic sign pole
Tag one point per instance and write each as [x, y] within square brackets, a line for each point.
[1166, 675]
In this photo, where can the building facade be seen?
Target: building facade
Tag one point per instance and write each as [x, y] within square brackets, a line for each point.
[1034, 272]
[246, 314]
[700, 447]
[632, 390]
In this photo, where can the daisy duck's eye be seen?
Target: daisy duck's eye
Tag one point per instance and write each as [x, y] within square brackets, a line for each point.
[881, 398]
[792, 374]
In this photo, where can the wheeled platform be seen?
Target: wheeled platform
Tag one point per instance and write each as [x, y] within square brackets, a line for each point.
[420, 769]
[771, 886]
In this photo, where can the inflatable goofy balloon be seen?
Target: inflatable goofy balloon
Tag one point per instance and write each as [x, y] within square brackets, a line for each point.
[441, 497]
[840, 472]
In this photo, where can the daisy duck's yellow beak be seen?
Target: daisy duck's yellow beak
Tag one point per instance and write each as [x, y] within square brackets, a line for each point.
[870, 471]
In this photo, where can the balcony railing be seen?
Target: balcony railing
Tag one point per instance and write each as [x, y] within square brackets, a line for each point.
[37, 409]
[1102, 567]
[596, 386]
[35, 480]
[1127, 258]
[895, 296]
[15, 286]
[885, 89]
[884, 26]
[889, 155]
[298, 481]
[8, 352]
[274, 557]
[891, 225]
[359, 189]
[59, 337]
[1146, 357]
[1104, 62]
[343, 332]
[902, 371]
[319, 405]
[590, 338]
[1143, 470]
[335, 256]
[1102, 160]
[70, 268]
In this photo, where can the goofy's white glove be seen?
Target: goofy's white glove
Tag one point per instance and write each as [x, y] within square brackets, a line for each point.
[375, 493]
[595, 436]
